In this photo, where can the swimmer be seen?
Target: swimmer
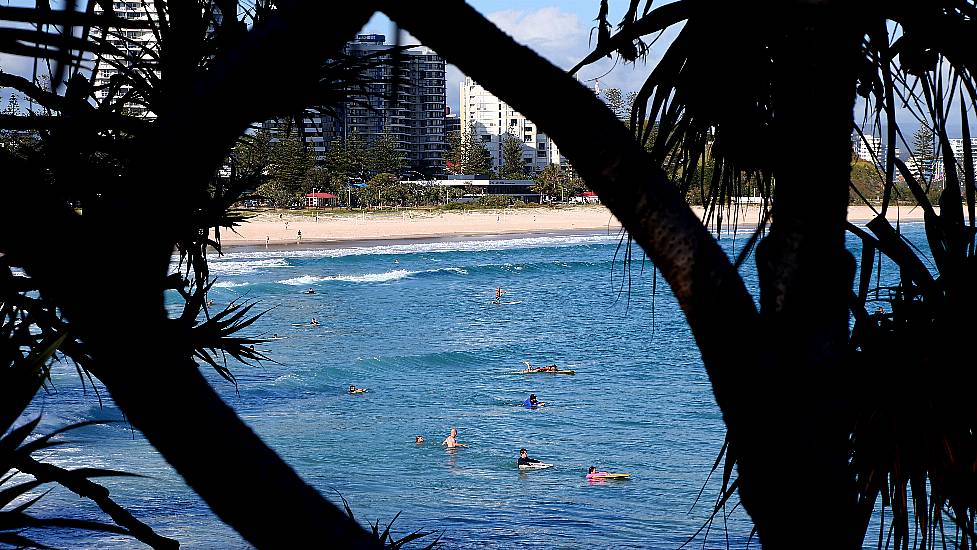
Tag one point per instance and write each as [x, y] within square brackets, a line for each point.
[419, 439]
[452, 440]
[524, 459]
[532, 402]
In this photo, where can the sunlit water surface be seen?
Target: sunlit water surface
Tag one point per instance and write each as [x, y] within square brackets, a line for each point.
[415, 323]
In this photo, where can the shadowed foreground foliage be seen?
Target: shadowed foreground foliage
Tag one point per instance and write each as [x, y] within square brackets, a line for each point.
[811, 404]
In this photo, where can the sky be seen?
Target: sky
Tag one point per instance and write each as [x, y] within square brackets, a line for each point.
[558, 31]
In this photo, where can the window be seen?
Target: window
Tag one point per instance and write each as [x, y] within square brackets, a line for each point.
[528, 139]
[541, 153]
[486, 138]
[513, 122]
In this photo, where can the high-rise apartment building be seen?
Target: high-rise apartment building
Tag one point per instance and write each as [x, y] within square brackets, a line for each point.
[493, 120]
[452, 123]
[869, 149]
[414, 116]
[133, 45]
[957, 146]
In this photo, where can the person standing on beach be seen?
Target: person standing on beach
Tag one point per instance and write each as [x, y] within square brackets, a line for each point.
[300, 237]
[267, 240]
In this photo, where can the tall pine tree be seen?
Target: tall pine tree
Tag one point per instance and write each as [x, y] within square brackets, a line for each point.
[289, 170]
[477, 159]
[454, 159]
[385, 156]
[923, 153]
[513, 167]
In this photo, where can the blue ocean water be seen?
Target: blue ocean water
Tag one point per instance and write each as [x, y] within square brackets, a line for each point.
[415, 324]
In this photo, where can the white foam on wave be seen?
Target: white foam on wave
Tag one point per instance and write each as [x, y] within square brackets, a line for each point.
[244, 266]
[384, 277]
[229, 284]
[431, 247]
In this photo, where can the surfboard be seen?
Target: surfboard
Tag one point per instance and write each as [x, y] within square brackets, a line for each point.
[358, 390]
[545, 372]
[608, 476]
[535, 466]
[507, 303]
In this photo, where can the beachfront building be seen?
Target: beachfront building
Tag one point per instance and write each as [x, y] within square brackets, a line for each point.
[473, 188]
[868, 148]
[317, 130]
[320, 200]
[414, 116]
[493, 120]
[452, 123]
[134, 46]
[957, 146]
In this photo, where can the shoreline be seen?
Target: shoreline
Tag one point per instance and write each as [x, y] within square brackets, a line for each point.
[279, 230]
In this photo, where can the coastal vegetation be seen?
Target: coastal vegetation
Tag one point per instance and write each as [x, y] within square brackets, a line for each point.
[825, 422]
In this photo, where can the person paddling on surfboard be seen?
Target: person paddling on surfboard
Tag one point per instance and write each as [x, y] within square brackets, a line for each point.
[452, 440]
[532, 402]
[498, 295]
[524, 459]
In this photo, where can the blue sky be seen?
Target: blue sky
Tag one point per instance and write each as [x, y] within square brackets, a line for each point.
[559, 31]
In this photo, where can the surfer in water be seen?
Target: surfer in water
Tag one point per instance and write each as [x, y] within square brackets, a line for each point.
[532, 402]
[314, 322]
[524, 459]
[547, 368]
[498, 295]
[452, 440]
[310, 291]
[419, 439]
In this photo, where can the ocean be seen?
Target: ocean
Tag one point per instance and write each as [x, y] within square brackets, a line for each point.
[415, 323]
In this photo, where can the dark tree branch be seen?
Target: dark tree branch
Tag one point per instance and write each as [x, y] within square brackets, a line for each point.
[68, 18]
[720, 311]
[83, 487]
[752, 387]
[45, 98]
[143, 360]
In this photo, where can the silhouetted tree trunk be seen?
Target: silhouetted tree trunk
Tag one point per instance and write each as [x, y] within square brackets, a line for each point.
[769, 391]
[115, 303]
[798, 433]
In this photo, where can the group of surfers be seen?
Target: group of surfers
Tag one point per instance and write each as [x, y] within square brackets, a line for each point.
[452, 442]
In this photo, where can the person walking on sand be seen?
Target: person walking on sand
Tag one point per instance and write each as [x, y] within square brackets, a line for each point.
[452, 440]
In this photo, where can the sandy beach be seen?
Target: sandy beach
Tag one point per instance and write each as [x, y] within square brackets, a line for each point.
[342, 226]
